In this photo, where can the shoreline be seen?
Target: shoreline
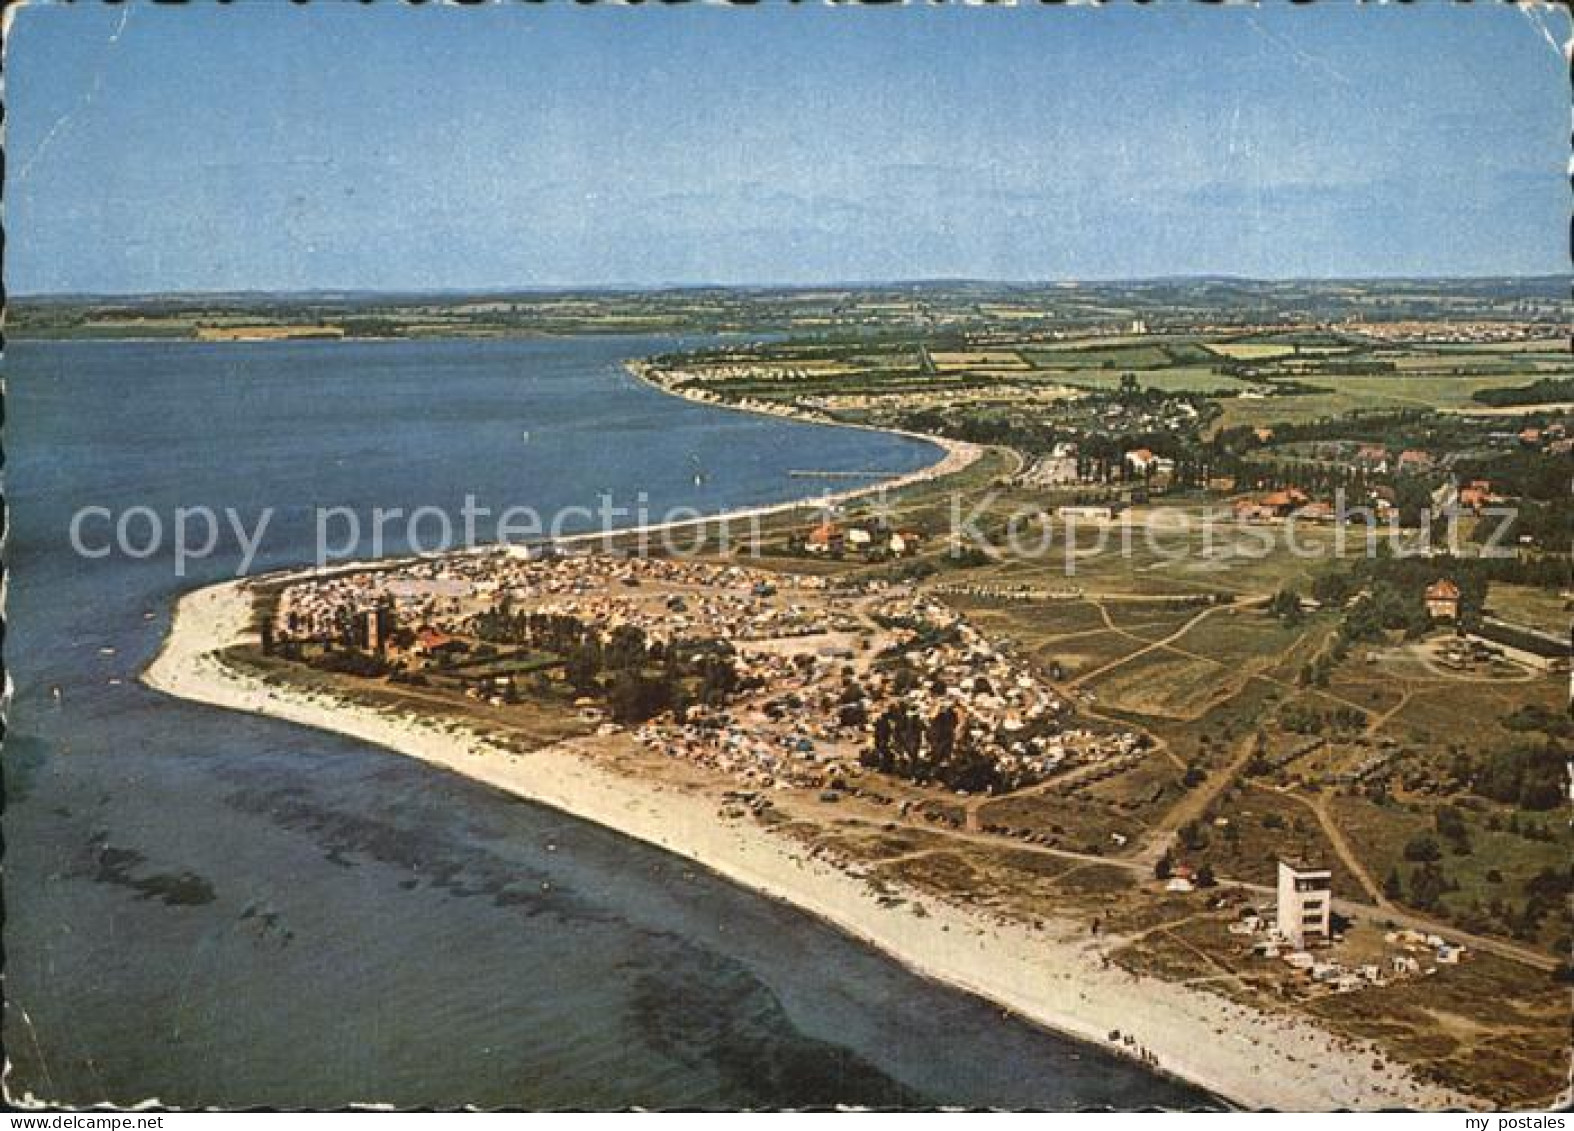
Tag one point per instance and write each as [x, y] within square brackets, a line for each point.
[956, 455]
[1052, 977]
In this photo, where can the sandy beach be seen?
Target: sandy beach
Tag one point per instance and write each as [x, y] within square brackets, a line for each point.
[1053, 976]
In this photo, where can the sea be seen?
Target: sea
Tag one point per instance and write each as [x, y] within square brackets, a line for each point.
[208, 909]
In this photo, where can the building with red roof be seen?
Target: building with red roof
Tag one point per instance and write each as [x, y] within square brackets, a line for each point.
[1442, 600]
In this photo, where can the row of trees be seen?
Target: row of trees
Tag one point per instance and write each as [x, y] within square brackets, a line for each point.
[1548, 390]
[1299, 719]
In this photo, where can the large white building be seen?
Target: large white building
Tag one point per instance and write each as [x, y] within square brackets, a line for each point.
[1305, 903]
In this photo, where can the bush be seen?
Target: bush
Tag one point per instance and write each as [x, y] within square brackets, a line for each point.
[1528, 774]
[351, 662]
[1428, 885]
[970, 558]
[1451, 827]
[1423, 849]
[633, 698]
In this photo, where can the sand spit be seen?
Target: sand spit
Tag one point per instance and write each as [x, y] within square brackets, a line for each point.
[1054, 976]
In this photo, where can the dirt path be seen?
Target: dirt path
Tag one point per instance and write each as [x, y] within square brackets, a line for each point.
[1111, 626]
[972, 806]
[1161, 837]
[1162, 642]
[1402, 918]
[1342, 848]
[1378, 722]
[1143, 870]
[1050, 641]
[1445, 676]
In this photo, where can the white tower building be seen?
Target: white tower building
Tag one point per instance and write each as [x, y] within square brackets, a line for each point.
[1305, 903]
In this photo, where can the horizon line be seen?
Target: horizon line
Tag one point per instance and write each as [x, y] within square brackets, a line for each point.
[849, 284]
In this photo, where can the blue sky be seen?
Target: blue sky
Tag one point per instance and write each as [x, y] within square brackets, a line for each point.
[264, 146]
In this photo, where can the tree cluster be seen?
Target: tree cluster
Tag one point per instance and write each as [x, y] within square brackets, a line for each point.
[941, 749]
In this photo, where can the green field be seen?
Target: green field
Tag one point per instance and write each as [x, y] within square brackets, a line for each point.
[1349, 395]
[1173, 379]
[1537, 608]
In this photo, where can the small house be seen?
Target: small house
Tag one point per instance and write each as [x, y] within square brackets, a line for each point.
[1372, 457]
[827, 538]
[1141, 460]
[1442, 600]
